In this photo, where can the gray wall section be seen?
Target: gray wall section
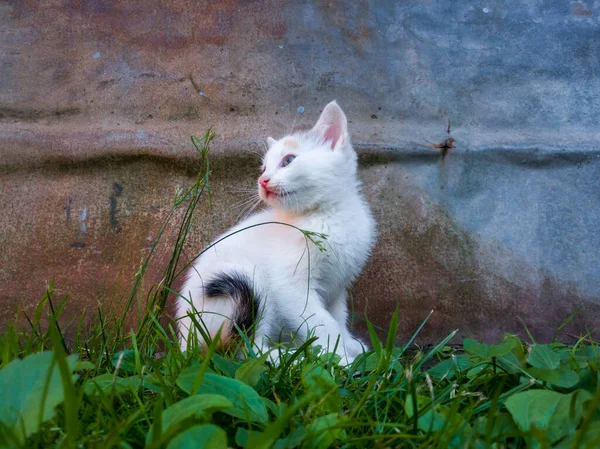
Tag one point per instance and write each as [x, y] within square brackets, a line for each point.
[541, 205]
[494, 65]
[98, 100]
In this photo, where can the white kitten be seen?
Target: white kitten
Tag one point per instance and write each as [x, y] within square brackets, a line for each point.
[271, 276]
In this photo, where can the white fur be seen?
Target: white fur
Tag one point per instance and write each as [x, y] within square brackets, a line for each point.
[302, 289]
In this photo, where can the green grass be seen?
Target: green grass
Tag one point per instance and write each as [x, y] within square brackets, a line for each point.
[111, 386]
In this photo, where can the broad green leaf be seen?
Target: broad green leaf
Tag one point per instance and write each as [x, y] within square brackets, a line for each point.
[590, 352]
[276, 409]
[560, 377]
[250, 372]
[395, 366]
[188, 375]
[124, 361]
[422, 401]
[542, 356]
[207, 436]
[450, 367]
[152, 383]
[316, 379]
[84, 365]
[581, 358]
[502, 426]
[488, 351]
[242, 436]
[291, 441]
[433, 419]
[590, 379]
[366, 362]
[590, 440]
[274, 429]
[461, 430]
[519, 349]
[323, 431]
[480, 371]
[319, 383]
[555, 413]
[227, 367]
[110, 383]
[570, 361]
[330, 357]
[199, 407]
[24, 384]
[510, 363]
[247, 404]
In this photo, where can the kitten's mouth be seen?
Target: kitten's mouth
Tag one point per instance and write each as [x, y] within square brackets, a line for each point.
[273, 193]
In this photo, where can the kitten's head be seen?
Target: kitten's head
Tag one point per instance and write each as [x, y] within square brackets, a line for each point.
[311, 169]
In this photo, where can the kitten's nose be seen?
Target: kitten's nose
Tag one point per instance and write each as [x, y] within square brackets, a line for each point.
[263, 181]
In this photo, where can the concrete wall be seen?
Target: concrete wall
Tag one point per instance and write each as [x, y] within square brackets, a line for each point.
[98, 100]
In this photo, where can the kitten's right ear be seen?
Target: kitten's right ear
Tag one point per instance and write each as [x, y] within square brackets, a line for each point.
[332, 125]
[271, 142]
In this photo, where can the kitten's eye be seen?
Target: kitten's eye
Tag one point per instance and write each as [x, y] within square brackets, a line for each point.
[287, 160]
[264, 167]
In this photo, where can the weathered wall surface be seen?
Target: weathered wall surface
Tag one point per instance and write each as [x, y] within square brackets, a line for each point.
[98, 100]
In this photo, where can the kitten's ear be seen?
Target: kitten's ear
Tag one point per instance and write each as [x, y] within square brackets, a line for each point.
[271, 141]
[332, 125]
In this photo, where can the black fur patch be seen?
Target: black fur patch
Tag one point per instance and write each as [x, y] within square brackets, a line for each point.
[239, 288]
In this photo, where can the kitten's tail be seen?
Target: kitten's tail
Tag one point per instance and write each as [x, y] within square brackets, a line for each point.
[230, 304]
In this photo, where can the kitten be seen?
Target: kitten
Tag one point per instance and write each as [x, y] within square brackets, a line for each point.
[271, 277]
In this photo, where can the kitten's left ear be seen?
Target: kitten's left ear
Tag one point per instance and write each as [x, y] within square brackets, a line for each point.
[332, 125]
[271, 141]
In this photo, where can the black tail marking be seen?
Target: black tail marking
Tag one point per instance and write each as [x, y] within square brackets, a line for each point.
[237, 286]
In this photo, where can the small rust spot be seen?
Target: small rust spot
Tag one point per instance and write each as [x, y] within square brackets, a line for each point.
[444, 146]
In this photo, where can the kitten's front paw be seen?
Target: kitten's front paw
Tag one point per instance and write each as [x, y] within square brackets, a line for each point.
[273, 357]
[347, 359]
[354, 347]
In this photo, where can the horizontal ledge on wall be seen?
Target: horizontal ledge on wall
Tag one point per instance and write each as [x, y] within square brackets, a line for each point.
[29, 146]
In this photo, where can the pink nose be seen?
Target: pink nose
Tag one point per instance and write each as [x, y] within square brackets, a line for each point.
[264, 181]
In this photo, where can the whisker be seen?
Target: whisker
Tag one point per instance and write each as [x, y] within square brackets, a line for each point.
[247, 196]
[249, 211]
[240, 189]
[242, 201]
[288, 194]
[261, 145]
[294, 122]
[242, 204]
[254, 152]
[297, 202]
[245, 199]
